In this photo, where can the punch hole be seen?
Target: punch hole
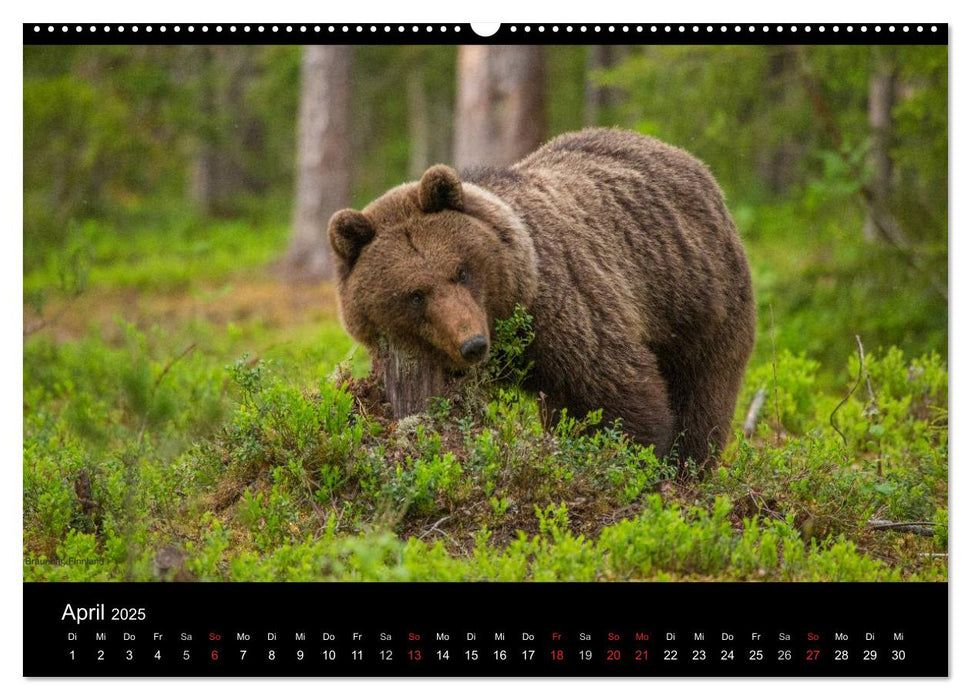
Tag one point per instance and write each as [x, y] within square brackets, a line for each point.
[485, 28]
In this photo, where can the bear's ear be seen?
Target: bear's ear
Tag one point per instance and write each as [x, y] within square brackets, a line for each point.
[349, 231]
[440, 188]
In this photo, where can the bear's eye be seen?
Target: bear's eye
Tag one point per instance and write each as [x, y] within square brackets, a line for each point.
[462, 276]
[416, 300]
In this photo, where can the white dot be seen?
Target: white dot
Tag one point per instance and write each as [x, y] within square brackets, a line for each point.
[526, 28]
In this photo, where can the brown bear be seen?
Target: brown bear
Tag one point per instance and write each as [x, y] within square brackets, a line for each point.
[620, 247]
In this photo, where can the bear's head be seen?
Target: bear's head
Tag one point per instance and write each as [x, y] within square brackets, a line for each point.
[430, 266]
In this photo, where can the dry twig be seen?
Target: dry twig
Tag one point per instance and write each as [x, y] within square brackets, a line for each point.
[918, 528]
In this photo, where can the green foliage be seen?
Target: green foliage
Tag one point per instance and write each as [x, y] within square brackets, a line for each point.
[512, 338]
[324, 493]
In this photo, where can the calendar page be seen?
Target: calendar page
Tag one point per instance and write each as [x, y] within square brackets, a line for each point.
[485, 350]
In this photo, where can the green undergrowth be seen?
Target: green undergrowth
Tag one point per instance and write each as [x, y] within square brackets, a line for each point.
[143, 468]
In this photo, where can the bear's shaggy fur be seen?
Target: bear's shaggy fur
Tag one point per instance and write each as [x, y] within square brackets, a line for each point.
[620, 247]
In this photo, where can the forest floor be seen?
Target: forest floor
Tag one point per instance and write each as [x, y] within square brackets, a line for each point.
[219, 425]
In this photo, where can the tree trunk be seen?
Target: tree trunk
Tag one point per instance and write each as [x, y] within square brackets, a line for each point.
[594, 94]
[323, 181]
[779, 155]
[419, 124]
[881, 103]
[499, 112]
[599, 102]
[233, 137]
[409, 380]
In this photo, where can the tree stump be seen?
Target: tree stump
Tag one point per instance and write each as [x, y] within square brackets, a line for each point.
[409, 380]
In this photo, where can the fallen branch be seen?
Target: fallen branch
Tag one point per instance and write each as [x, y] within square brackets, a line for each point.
[435, 528]
[918, 528]
[752, 417]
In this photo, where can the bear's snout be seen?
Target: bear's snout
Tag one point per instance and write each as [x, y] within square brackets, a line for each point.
[474, 348]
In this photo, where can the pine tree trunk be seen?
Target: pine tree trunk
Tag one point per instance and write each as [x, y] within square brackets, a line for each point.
[323, 181]
[500, 111]
[880, 103]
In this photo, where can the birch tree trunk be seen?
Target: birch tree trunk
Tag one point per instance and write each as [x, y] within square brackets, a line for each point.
[323, 179]
[499, 112]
